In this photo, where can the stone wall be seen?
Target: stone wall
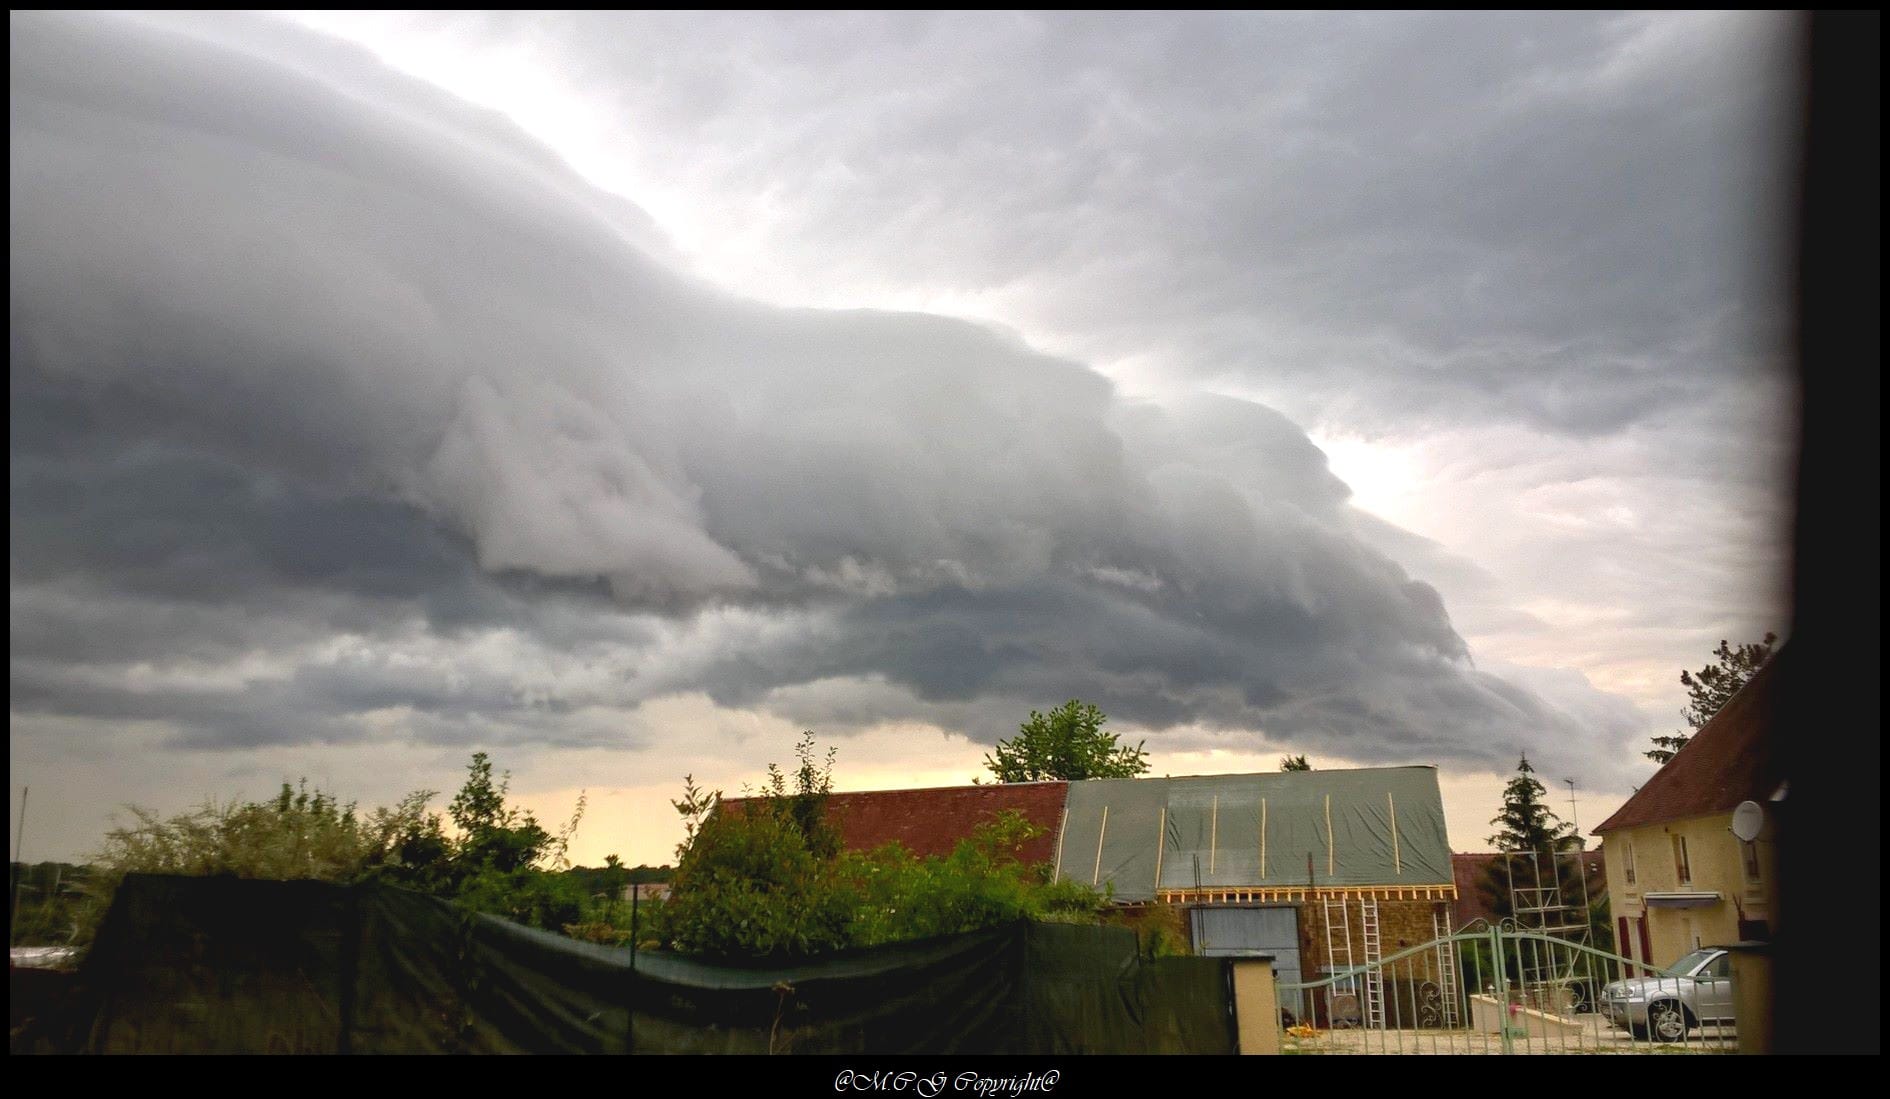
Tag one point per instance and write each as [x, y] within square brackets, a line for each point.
[1401, 925]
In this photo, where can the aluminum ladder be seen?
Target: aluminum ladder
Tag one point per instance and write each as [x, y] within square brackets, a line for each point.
[1374, 972]
[1339, 952]
[1446, 968]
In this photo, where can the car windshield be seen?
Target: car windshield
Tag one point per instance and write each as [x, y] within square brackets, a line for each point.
[1690, 962]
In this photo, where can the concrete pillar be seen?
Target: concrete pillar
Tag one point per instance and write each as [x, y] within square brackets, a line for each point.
[1752, 995]
[1256, 1008]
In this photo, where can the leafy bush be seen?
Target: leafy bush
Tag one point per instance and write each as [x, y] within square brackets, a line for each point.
[532, 897]
[982, 883]
[1160, 931]
[496, 863]
[757, 880]
[601, 932]
[766, 878]
[298, 835]
[50, 897]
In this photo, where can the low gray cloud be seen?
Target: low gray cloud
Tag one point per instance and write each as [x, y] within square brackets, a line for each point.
[341, 414]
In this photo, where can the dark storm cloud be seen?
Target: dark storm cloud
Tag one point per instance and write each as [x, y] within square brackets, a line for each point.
[343, 415]
[1561, 219]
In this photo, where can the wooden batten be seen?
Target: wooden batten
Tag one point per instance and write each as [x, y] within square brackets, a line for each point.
[1063, 832]
[1161, 845]
[1332, 847]
[1263, 837]
[1397, 863]
[1302, 894]
[1214, 831]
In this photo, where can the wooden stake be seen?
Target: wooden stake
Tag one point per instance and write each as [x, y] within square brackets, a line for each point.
[1214, 825]
[1161, 843]
[1063, 833]
[1397, 864]
[1263, 839]
[1332, 850]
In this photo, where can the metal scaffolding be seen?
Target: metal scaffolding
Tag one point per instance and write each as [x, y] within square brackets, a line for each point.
[1543, 899]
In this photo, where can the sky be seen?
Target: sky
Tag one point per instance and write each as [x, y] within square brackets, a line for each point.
[622, 394]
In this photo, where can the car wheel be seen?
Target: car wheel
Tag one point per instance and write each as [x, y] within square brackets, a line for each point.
[1669, 1020]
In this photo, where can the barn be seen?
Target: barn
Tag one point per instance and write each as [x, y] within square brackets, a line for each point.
[1322, 870]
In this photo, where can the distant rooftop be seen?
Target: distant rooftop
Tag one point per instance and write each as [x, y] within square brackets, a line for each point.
[1367, 826]
[931, 821]
[1728, 761]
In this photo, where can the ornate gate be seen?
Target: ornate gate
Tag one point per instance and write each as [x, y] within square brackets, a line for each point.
[1496, 989]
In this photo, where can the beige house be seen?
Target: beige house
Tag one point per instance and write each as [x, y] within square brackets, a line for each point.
[1678, 875]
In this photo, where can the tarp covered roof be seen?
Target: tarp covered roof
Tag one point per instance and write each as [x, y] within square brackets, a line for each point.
[1377, 826]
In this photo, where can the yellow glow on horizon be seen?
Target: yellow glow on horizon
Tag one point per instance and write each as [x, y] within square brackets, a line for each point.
[639, 825]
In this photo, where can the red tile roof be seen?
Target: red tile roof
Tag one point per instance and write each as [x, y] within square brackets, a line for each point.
[932, 821]
[1728, 761]
[1472, 872]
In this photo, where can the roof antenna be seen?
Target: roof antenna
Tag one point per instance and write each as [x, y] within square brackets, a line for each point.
[19, 868]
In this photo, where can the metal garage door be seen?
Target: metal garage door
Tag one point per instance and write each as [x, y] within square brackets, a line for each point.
[1275, 931]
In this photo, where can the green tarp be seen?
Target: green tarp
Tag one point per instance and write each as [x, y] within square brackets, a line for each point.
[1293, 828]
[208, 965]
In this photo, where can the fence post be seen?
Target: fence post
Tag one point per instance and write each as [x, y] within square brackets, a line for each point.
[630, 999]
[350, 966]
[1502, 987]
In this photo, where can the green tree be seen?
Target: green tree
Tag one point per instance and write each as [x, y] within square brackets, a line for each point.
[1710, 688]
[1294, 763]
[504, 859]
[1526, 823]
[493, 835]
[805, 806]
[764, 877]
[755, 878]
[1526, 826]
[1066, 743]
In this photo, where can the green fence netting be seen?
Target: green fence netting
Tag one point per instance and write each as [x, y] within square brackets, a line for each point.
[219, 965]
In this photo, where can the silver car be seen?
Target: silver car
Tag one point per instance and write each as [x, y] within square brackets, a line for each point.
[1667, 1008]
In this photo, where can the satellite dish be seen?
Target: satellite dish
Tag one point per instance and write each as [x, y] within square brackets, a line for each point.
[1747, 820]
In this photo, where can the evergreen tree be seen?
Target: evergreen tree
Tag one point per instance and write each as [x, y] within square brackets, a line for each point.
[1710, 688]
[1528, 827]
[1526, 822]
[1294, 763]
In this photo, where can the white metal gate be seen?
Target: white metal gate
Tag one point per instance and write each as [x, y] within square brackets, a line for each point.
[1495, 989]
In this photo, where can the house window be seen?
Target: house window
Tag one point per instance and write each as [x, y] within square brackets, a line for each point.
[1628, 862]
[1750, 852]
[1680, 866]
